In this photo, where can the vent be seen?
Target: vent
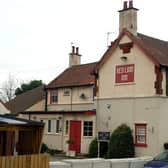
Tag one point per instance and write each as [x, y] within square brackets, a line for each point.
[83, 96]
[66, 93]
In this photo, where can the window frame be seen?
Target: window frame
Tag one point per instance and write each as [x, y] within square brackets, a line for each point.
[141, 126]
[57, 126]
[49, 126]
[66, 131]
[54, 96]
[87, 129]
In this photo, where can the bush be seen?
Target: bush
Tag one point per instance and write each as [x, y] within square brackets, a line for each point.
[121, 143]
[165, 145]
[93, 149]
[44, 148]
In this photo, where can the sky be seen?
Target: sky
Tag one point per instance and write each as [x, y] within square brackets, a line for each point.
[36, 35]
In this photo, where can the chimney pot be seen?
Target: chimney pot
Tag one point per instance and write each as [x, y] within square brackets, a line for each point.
[125, 5]
[73, 49]
[131, 4]
[77, 50]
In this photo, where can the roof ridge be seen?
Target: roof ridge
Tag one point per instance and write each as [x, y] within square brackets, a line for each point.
[29, 91]
[154, 38]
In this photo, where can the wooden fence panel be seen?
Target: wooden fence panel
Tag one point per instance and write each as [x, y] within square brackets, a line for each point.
[25, 161]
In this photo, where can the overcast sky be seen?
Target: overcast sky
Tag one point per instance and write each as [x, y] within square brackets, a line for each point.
[36, 35]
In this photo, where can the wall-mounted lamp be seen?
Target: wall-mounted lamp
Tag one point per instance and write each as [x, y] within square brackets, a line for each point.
[108, 106]
[123, 58]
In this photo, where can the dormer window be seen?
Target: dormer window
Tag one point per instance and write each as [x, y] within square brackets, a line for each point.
[54, 97]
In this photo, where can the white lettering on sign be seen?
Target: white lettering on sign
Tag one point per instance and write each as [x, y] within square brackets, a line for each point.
[121, 70]
[124, 73]
[124, 77]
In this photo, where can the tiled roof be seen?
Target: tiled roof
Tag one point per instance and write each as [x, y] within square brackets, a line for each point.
[155, 49]
[158, 49]
[78, 75]
[17, 121]
[25, 100]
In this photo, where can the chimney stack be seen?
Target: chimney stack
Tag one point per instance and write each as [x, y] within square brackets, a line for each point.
[131, 4]
[74, 57]
[128, 18]
[125, 5]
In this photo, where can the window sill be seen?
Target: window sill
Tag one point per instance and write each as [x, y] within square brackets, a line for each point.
[52, 133]
[87, 137]
[127, 83]
[140, 145]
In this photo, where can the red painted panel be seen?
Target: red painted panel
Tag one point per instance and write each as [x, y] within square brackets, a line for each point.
[9, 143]
[124, 73]
[75, 136]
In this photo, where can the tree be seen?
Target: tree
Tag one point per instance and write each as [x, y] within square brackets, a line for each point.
[28, 86]
[121, 143]
[8, 88]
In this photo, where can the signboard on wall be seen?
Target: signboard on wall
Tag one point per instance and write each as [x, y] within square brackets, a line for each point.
[124, 73]
[103, 136]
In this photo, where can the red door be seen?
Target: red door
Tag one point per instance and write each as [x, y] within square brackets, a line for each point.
[75, 136]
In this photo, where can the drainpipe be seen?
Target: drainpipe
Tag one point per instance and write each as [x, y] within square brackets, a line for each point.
[71, 100]
[29, 116]
[46, 100]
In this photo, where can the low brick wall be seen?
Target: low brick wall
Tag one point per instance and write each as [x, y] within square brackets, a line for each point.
[101, 163]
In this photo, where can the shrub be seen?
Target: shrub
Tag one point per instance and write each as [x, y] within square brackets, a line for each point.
[93, 149]
[165, 145]
[44, 148]
[121, 143]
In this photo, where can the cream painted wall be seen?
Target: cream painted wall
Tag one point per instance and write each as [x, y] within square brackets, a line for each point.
[74, 96]
[144, 75]
[40, 106]
[116, 111]
[163, 120]
[134, 102]
[73, 107]
[58, 140]
[76, 93]
[73, 102]
[3, 109]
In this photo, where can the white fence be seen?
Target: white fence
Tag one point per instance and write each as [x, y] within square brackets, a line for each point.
[101, 163]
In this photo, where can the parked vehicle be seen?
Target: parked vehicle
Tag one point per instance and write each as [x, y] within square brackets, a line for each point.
[160, 161]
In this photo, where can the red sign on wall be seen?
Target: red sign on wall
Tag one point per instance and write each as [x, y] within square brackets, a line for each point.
[124, 73]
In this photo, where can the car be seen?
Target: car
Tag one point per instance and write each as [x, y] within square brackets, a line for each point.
[160, 161]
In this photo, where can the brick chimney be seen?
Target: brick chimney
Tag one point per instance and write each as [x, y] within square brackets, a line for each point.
[74, 57]
[128, 17]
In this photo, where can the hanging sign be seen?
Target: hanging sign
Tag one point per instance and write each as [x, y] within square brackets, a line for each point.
[124, 73]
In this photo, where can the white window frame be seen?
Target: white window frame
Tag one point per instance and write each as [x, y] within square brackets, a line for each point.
[87, 128]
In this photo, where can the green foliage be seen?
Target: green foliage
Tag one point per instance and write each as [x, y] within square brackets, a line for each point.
[93, 149]
[28, 86]
[165, 145]
[46, 149]
[121, 143]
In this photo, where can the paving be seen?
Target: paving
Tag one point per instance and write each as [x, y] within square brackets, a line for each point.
[62, 156]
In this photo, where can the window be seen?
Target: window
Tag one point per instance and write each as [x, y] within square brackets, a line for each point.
[66, 92]
[49, 126]
[54, 97]
[88, 128]
[140, 135]
[66, 127]
[58, 129]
